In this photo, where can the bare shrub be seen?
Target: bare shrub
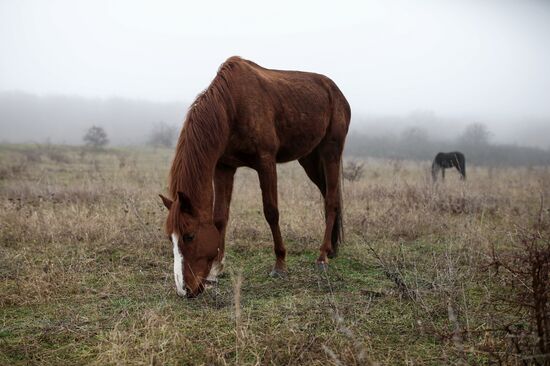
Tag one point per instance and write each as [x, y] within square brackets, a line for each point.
[32, 155]
[353, 170]
[525, 271]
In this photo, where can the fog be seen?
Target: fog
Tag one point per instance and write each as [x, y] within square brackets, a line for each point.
[127, 65]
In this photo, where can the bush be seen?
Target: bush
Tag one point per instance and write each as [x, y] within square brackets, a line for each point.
[525, 270]
[96, 137]
[353, 170]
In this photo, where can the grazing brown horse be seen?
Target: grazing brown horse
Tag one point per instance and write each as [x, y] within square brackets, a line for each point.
[254, 117]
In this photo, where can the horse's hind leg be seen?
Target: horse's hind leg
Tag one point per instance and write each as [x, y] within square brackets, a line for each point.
[314, 170]
[460, 172]
[267, 174]
[330, 158]
[462, 169]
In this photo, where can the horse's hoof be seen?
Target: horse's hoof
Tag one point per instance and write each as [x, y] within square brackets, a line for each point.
[322, 266]
[277, 273]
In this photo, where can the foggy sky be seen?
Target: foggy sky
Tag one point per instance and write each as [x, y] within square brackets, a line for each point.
[486, 59]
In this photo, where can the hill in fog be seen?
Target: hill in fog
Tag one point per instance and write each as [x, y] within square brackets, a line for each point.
[523, 131]
[64, 119]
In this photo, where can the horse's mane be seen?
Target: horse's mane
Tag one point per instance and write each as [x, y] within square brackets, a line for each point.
[203, 131]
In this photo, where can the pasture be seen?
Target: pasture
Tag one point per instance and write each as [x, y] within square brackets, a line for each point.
[86, 269]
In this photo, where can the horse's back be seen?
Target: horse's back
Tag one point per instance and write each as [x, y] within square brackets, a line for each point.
[286, 112]
[457, 155]
[449, 155]
[291, 89]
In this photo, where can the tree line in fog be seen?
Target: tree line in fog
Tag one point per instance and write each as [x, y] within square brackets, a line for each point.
[416, 143]
[28, 118]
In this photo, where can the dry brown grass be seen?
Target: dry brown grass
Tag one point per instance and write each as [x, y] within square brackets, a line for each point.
[85, 269]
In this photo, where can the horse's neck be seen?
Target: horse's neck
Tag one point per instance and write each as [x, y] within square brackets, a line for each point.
[201, 144]
[203, 193]
[197, 182]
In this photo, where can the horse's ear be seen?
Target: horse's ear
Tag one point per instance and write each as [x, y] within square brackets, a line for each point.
[167, 201]
[185, 203]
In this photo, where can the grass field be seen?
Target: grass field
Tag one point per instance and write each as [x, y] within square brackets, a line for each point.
[86, 270]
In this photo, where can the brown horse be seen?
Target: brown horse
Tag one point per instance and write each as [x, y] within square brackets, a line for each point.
[254, 117]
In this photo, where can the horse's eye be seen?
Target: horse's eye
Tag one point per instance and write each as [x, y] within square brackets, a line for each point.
[188, 237]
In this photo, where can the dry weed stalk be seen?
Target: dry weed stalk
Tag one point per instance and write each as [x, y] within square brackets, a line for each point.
[360, 352]
[394, 276]
[239, 328]
[458, 341]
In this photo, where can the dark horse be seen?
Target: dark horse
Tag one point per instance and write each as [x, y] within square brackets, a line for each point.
[254, 117]
[449, 160]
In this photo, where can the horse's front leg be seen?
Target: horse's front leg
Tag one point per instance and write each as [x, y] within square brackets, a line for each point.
[267, 174]
[223, 188]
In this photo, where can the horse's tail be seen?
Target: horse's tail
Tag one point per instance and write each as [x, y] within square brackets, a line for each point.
[340, 120]
[337, 236]
[463, 166]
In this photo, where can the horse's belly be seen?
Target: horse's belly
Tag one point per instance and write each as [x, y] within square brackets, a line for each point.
[298, 138]
[287, 139]
[296, 149]
[288, 152]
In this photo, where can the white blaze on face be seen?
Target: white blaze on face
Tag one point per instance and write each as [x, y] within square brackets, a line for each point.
[178, 266]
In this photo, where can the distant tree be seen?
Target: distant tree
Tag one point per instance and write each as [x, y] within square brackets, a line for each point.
[96, 137]
[475, 134]
[163, 135]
